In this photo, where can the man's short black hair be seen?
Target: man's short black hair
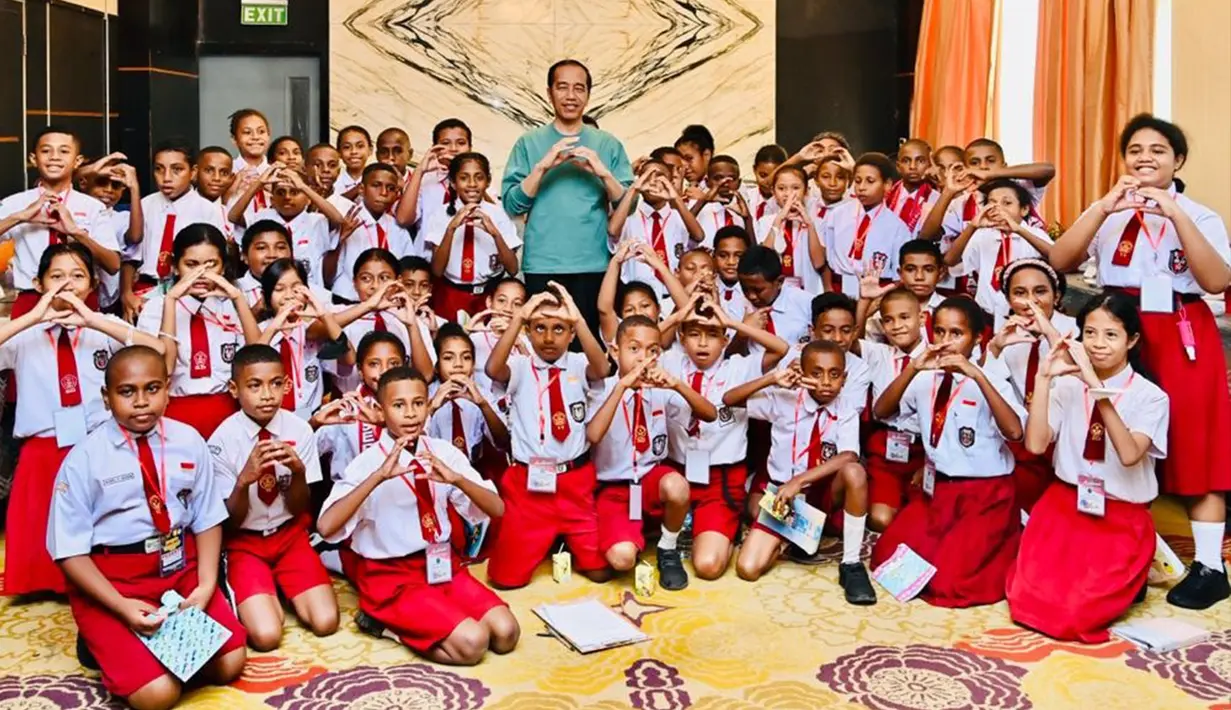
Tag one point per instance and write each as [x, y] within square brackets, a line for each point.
[551, 72]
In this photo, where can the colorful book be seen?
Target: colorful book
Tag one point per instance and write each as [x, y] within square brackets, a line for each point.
[187, 639]
[904, 574]
[801, 525]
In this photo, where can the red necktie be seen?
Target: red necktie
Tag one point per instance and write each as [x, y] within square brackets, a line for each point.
[727, 293]
[657, 240]
[927, 323]
[1032, 370]
[1096, 443]
[914, 208]
[729, 220]
[382, 239]
[694, 424]
[288, 367]
[970, 208]
[468, 253]
[66, 365]
[378, 322]
[769, 324]
[259, 199]
[788, 248]
[459, 431]
[198, 340]
[641, 434]
[267, 483]
[164, 249]
[153, 493]
[820, 213]
[861, 238]
[290, 233]
[814, 442]
[555, 399]
[941, 411]
[429, 524]
[450, 195]
[56, 237]
[1128, 242]
[761, 208]
[1002, 258]
[895, 194]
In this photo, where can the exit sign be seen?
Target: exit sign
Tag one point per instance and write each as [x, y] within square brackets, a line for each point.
[263, 12]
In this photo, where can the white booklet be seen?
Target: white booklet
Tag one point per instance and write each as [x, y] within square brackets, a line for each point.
[1160, 635]
[589, 625]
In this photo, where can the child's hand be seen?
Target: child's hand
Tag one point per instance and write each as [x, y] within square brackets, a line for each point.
[444, 393]
[432, 161]
[339, 411]
[1059, 361]
[784, 497]
[222, 287]
[261, 456]
[435, 470]
[788, 377]
[1077, 352]
[81, 314]
[978, 176]
[624, 251]
[639, 163]
[657, 378]
[870, 286]
[181, 287]
[985, 218]
[957, 363]
[845, 160]
[566, 301]
[363, 411]
[470, 390]
[930, 358]
[478, 323]
[536, 302]
[1164, 203]
[757, 318]
[812, 152]
[634, 377]
[739, 205]
[132, 305]
[1016, 330]
[465, 214]
[42, 311]
[37, 212]
[141, 616]
[392, 467]
[694, 192]
[956, 182]
[711, 195]
[667, 188]
[349, 225]
[273, 173]
[199, 597]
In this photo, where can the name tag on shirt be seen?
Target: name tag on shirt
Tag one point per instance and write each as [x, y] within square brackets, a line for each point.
[541, 477]
[897, 446]
[439, 563]
[1157, 294]
[70, 426]
[634, 501]
[1091, 495]
[850, 285]
[929, 479]
[171, 556]
[697, 467]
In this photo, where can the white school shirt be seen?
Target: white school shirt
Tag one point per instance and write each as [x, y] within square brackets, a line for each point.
[792, 415]
[791, 313]
[226, 335]
[433, 191]
[345, 182]
[952, 225]
[855, 389]
[980, 257]
[1014, 359]
[31, 240]
[530, 407]
[758, 204]
[100, 498]
[487, 264]
[474, 425]
[498, 393]
[156, 209]
[32, 355]
[1143, 407]
[639, 227]
[343, 442]
[809, 277]
[366, 236]
[885, 236]
[1169, 258]
[821, 209]
[731, 298]
[310, 239]
[925, 195]
[386, 525]
[251, 288]
[726, 438]
[971, 445]
[230, 447]
[884, 364]
[115, 223]
[261, 199]
[229, 229]
[713, 217]
[615, 458]
[348, 375]
[307, 373]
[874, 329]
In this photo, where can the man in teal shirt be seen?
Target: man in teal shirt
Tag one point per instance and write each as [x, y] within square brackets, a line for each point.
[563, 176]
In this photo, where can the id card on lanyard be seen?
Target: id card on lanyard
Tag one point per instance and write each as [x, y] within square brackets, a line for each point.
[438, 552]
[1157, 286]
[542, 470]
[69, 421]
[634, 488]
[1091, 488]
[169, 545]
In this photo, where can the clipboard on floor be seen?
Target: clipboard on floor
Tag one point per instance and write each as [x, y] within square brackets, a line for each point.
[588, 625]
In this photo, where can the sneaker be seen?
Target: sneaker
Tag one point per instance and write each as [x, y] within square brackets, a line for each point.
[853, 577]
[1201, 588]
[368, 625]
[671, 573]
[84, 657]
[796, 554]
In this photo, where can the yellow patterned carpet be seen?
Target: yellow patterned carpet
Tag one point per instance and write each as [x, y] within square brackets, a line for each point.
[786, 642]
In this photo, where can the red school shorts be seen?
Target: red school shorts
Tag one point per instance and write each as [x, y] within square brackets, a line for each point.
[283, 561]
[126, 664]
[396, 593]
[718, 505]
[614, 523]
[533, 521]
[889, 481]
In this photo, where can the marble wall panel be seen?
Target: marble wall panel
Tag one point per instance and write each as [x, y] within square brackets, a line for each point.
[657, 64]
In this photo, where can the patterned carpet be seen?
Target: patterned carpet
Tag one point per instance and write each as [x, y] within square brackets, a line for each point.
[787, 642]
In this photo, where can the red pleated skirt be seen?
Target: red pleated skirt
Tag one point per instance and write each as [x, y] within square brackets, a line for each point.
[1199, 441]
[203, 412]
[969, 530]
[1032, 474]
[28, 568]
[1075, 573]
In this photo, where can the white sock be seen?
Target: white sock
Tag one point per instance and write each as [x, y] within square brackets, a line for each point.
[852, 536]
[668, 539]
[1207, 537]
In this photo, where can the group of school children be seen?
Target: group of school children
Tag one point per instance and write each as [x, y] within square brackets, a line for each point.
[290, 327]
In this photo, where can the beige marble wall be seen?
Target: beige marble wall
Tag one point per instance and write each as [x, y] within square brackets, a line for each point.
[657, 64]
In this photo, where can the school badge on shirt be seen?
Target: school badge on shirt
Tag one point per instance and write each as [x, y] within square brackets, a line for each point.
[578, 410]
[660, 444]
[828, 450]
[966, 436]
[1178, 261]
[228, 352]
[101, 357]
[724, 415]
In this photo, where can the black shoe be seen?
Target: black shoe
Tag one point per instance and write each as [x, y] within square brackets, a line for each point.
[368, 625]
[1201, 588]
[796, 554]
[84, 657]
[853, 577]
[671, 573]
[1141, 593]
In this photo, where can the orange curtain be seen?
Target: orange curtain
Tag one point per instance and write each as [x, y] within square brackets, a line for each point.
[1093, 71]
[952, 70]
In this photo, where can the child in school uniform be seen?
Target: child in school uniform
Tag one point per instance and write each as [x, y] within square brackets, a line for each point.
[1016, 353]
[504, 298]
[835, 319]
[202, 320]
[618, 300]
[630, 449]
[415, 275]
[461, 411]
[1086, 551]
[213, 180]
[863, 234]
[695, 146]
[58, 351]
[760, 196]
[549, 489]
[814, 446]
[264, 460]
[286, 150]
[832, 184]
[106, 180]
[998, 235]
[912, 196]
[660, 221]
[324, 165]
[781, 310]
[1154, 242]
[429, 190]
[355, 149]
[410, 583]
[251, 135]
[263, 243]
[128, 525]
[722, 204]
[966, 523]
[730, 243]
[393, 148]
[793, 233]
[920, 266]
[473, 241]
[304, 333]
[712, 454]
[377, 229]
[52, 212]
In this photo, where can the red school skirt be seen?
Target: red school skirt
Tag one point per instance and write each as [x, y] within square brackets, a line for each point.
[448, 298]
[28, 568]
[203, 412]
[1198, 445]
[1077, 573]
[889, 481]
[969, 530]
[1032, 474]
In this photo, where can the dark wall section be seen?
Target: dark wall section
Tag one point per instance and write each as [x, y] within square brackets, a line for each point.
[12, 152]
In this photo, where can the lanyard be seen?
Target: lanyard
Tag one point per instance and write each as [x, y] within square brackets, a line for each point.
[1141, 219]
[408, 479]
[799, 401]
[297, 348]
[55, 344]
[155, 479]
[538, 385]
[209, 317]
[1085, 400]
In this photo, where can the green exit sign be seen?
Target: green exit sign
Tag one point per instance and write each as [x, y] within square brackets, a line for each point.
[263, 12]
